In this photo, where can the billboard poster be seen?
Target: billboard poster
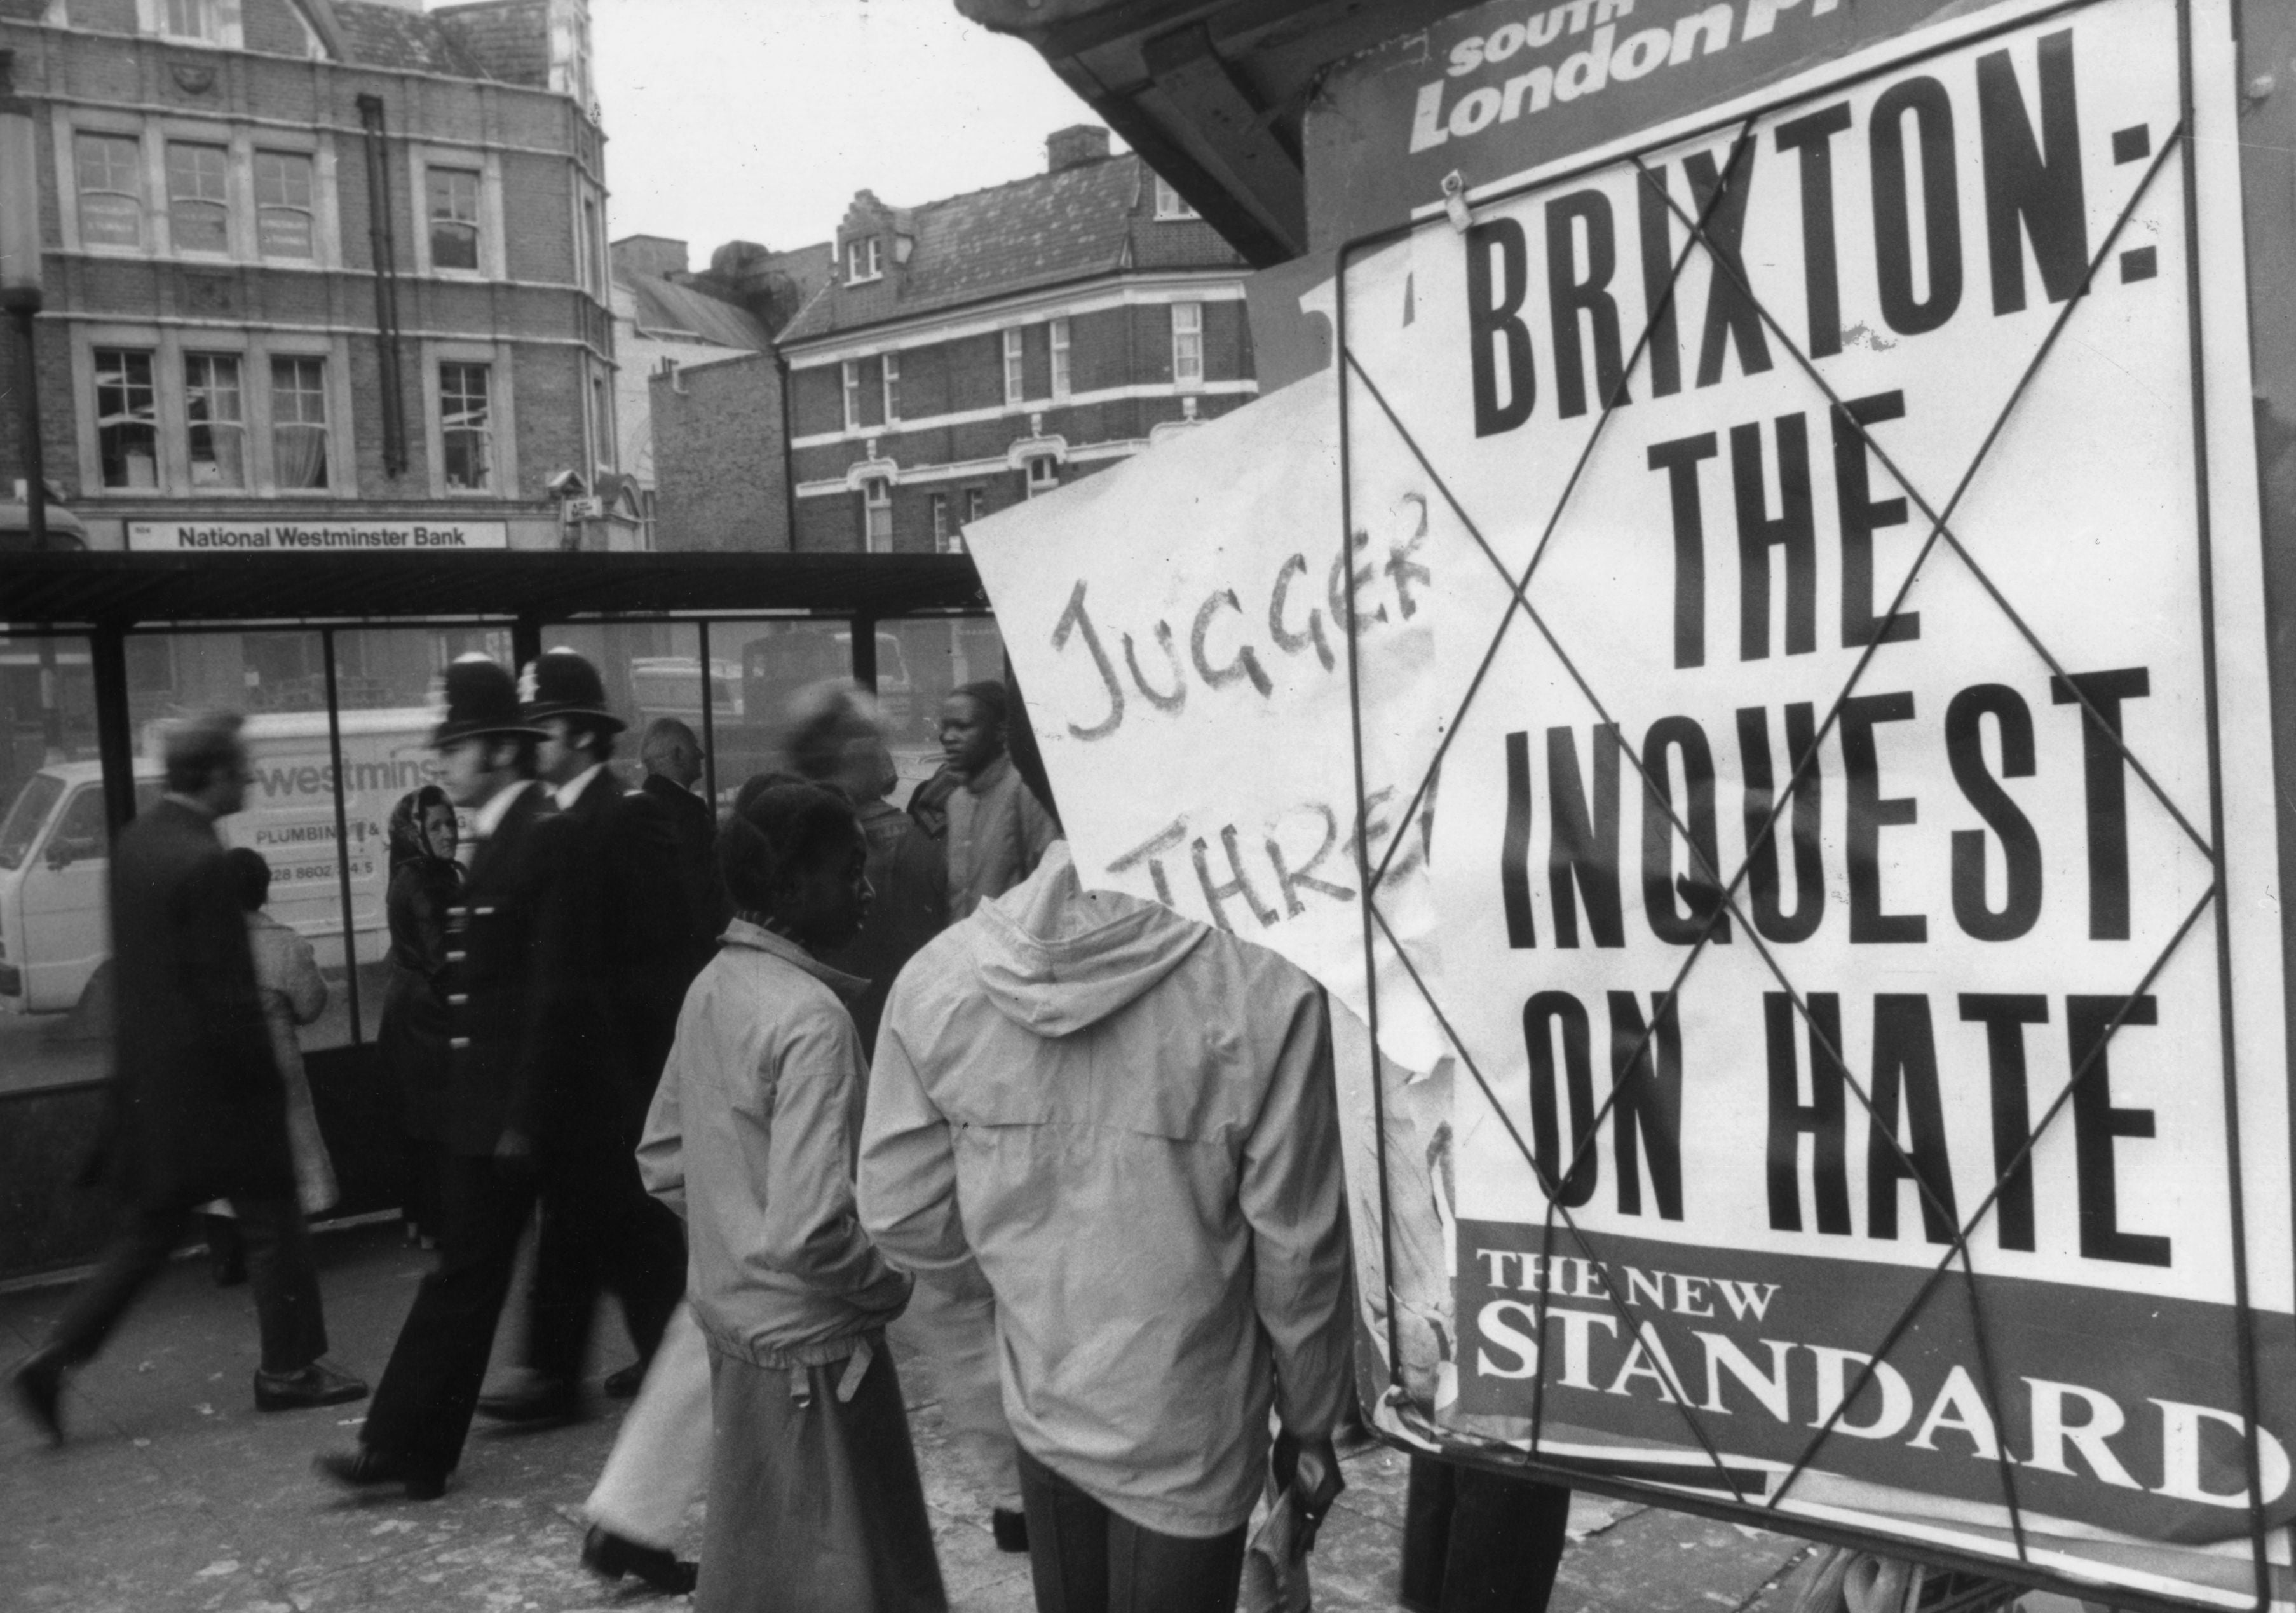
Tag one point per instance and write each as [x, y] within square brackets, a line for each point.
[1746, 681]
[1859, 942]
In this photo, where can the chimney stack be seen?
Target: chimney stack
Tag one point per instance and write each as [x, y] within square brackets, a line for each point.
[661, 257]
[1074, 147]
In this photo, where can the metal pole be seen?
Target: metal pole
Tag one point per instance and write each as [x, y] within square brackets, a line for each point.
[343, 834]
[115, 725]
[709, 723]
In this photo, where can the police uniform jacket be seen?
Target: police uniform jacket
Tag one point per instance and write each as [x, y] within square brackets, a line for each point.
[507, 983]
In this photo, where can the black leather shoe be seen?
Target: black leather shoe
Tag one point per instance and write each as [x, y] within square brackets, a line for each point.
[625, 1384]
[364, 1467]
[321, 1383]
[38, 1383]
[536, 1404]
[609, 1556]
[1011, 1530]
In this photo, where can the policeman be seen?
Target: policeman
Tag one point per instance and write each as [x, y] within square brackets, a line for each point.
[626, 943]
[507, 1019]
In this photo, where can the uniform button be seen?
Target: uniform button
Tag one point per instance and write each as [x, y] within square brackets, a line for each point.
[458, 1043]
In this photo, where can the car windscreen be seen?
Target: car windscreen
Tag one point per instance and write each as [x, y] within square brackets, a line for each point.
[21, 826]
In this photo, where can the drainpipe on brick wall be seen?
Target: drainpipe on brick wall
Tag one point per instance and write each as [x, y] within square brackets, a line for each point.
[789, 457]
[383, 241]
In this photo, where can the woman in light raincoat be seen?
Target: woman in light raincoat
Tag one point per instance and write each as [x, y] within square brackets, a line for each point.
[815, 1500]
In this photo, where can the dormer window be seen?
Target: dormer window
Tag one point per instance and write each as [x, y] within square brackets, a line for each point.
[1171, 204]
[864, 259]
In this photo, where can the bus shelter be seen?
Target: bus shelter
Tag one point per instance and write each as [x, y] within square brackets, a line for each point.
[335, 661]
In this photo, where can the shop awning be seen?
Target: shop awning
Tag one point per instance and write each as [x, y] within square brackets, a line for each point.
[120, 591]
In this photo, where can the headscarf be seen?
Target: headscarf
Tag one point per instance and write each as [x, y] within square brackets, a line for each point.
[408, 843]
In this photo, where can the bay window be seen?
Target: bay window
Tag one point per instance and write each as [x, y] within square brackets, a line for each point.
[127, 419]
[299, 422]
[466, 426]
[199, 197]
[216, 429]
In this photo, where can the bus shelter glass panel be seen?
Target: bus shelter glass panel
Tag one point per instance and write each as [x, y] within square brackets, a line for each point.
[54, 853]
[772, 660]
[390, 684]
[278, 679]
[920, 659]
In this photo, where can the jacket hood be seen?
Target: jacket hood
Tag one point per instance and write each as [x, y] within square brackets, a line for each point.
[1056, 959]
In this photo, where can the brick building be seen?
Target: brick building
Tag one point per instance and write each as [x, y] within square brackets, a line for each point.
[969, 353]
[330, 267]
[666, 324]
[721, 453]
[722, 443]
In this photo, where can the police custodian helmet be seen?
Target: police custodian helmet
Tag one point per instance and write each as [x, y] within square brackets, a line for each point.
[481, 699]
[560, 683]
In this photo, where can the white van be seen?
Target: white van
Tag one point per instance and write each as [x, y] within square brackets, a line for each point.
[55, 861]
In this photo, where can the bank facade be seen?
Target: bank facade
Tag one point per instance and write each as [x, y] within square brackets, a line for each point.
[321, 274]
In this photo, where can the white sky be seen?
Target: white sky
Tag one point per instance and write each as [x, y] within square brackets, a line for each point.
[758, 119]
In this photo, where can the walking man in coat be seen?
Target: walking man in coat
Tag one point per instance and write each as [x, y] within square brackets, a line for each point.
[626, 941]
[672, 759]
[507, 995]
[198, 1105]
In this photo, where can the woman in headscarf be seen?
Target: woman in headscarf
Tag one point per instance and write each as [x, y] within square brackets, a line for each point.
[425, 881]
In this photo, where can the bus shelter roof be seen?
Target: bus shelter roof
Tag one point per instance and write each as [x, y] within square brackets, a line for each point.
[120, 591]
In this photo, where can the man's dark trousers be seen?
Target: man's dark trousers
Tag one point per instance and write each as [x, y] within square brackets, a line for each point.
[280, 1272]
[601, 1229]
[624, 935]
[422, 1408]
[1085, 1559]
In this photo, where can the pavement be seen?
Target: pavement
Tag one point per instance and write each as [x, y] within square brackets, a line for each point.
[174, 1492]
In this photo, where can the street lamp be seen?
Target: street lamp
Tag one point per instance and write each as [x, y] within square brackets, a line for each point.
[20, 274]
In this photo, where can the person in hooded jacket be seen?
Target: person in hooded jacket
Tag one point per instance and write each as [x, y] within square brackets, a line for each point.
[816, 1503]
[1126, 1122]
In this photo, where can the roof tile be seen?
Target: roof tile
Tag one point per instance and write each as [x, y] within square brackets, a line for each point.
[1043, 230]
[387, 36]
[665, 308]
